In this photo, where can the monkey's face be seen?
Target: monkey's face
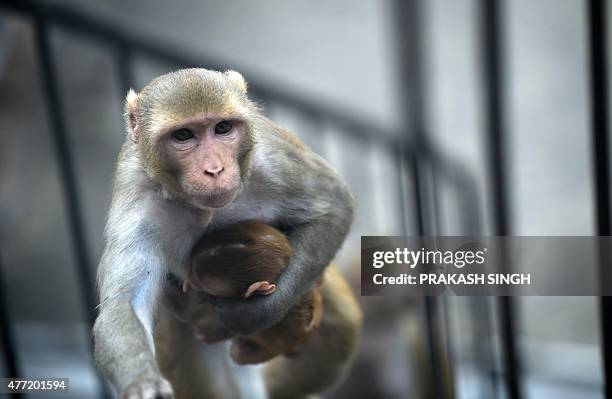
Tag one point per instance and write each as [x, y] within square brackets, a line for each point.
[201, 159]
[193, 131]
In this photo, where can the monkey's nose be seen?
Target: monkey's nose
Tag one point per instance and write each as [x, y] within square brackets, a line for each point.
[214, 172]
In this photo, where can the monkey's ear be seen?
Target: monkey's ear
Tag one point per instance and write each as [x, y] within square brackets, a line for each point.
[237, 79]
[131, 121]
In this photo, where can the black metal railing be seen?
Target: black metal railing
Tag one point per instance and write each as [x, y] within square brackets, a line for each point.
[597, 21]
[492, 34]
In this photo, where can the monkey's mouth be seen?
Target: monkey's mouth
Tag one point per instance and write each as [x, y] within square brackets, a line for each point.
[215, 200]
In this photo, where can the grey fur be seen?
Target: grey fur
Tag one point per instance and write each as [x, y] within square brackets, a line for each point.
[149, 234]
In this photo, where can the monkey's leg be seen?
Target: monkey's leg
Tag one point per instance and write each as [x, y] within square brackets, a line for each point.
[179, 356]
[326, 357]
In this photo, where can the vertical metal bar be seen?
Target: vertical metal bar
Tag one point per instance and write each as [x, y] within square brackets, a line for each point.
[492, 54]
[418, 196]
[599, 109]
[436, 185]
[480, 318]
[61, 145]
[125, 77]
[124, 58]
[429, 306]
[442, 382]
[7, 335]
[437, 226]
[599, 113]
[400, 157]
[409, 31]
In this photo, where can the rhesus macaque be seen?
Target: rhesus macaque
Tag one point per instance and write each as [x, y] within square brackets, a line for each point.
[199, 155]
[245, 259]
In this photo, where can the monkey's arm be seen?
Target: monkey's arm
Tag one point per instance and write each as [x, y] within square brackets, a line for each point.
[129, 279]
[319, 206]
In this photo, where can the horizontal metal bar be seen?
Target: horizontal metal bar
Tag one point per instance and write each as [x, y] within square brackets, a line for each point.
[112, 32]
[127, 40]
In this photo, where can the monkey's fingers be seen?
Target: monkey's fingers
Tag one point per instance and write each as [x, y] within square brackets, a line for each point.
[261, 288]
[154, 388]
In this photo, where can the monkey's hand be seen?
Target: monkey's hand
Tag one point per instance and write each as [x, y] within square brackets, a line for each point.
[249, 316]
[149, 388]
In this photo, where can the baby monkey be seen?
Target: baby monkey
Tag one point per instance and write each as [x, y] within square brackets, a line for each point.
[245, 259]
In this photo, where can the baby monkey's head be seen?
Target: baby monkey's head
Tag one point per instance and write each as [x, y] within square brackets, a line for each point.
[239, 260]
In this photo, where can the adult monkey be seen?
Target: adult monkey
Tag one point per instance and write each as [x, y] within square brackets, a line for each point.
[200, 155]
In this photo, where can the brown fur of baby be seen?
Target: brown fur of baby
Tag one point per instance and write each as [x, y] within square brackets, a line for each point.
[243, 260]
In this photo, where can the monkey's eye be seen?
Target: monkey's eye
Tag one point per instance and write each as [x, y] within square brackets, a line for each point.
[223, 127]
[182, 135]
